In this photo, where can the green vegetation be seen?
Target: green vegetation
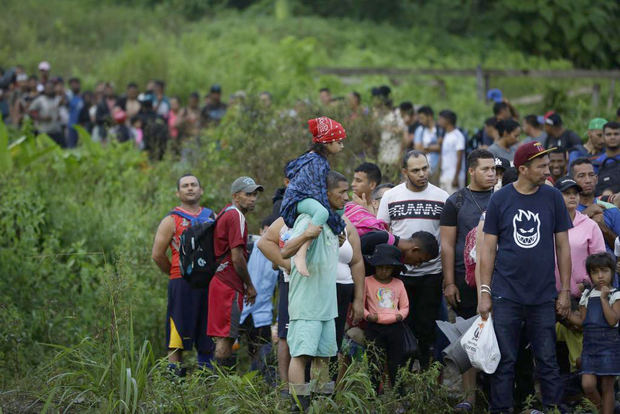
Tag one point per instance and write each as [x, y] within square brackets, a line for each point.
[81, 304]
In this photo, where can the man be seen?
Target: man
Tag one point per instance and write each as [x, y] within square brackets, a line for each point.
[186, 322]
[161, 103]
[44, 75]
[325, 96]
[231, 281]
[256, 319]
[608, 164]
[452, 153]
[462, 213]
[270, 244]
[45, 111]
[407, 208]
[606, 215]
[366, 177]
[508, 131]
[558, 136]
[410, 120]
[533, 129]
[191, 116]
[129, 102]
[76, 103]
[214, 110]
[154, 128]
[278, 195]
[354, 101]
[105, 109]
[426, 139]
[557, 164]
[595, 145]
[523, 221]
[377, 195]
[504, 110]
[313, 302]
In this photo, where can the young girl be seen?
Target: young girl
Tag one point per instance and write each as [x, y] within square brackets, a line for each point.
[307, 189]
[599, 312]
[386, 307]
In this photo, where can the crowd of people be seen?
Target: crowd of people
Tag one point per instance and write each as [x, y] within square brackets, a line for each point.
[530, 239]
[519, 220]
[149, 118]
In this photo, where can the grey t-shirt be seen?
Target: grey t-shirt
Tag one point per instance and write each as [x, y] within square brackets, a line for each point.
[501, 152]
[542, 138]
[48, 109]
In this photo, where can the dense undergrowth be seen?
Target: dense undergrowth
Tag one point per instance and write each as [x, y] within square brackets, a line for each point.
[82, 307]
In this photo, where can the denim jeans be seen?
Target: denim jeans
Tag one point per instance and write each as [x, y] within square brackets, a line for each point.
[540, 329]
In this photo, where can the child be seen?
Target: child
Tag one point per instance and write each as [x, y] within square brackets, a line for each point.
[307, 189]
[599, 312]
[386, 307]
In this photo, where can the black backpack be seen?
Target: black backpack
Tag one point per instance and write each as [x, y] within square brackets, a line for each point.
[196, 249]
[608, 175]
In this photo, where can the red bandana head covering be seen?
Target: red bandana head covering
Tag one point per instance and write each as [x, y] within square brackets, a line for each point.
[326, 130]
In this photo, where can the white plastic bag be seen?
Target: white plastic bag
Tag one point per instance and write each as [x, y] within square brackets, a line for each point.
[480, 344]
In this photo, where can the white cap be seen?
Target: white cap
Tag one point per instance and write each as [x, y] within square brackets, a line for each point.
[45, 66]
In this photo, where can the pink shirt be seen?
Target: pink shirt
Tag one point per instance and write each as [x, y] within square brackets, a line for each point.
[363, 221]
[585, 238]
[172, 120]
[386, 300]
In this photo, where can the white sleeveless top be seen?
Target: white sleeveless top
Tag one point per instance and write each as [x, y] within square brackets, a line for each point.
[345, 255]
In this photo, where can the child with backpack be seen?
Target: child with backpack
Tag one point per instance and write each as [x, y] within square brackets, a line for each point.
[307, 189]
[386, 306]
[599, 313]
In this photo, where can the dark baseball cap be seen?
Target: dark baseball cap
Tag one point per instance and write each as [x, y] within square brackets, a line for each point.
[216, 88]
[566, 182]
[528, 152]
[502, 163]
[245, 184]
[553, 119]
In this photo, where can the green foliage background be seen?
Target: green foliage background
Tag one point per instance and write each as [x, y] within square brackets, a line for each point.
[81, 304]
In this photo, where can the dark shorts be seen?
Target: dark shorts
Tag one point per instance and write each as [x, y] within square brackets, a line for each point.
[225, 305]
[282, 309]
[186, 321]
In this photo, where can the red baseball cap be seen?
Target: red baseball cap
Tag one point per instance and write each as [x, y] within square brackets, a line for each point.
[529, 151]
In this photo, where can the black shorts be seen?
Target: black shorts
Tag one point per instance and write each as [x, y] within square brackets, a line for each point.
[282, 309]
[186, 321]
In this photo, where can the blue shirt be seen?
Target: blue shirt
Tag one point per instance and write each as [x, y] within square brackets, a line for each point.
[598, 162]
[579, 151]
[75, 107]
[264, 279]
[525, 226]
[418, 138]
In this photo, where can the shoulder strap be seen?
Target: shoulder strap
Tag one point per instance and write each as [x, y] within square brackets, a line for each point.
[181, 214]
[204, 215]
[603, 164]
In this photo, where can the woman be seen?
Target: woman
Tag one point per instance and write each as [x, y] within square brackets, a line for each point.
[350, 274]
[585, 238]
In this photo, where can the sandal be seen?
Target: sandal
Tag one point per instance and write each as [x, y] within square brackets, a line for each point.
[464, 407]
